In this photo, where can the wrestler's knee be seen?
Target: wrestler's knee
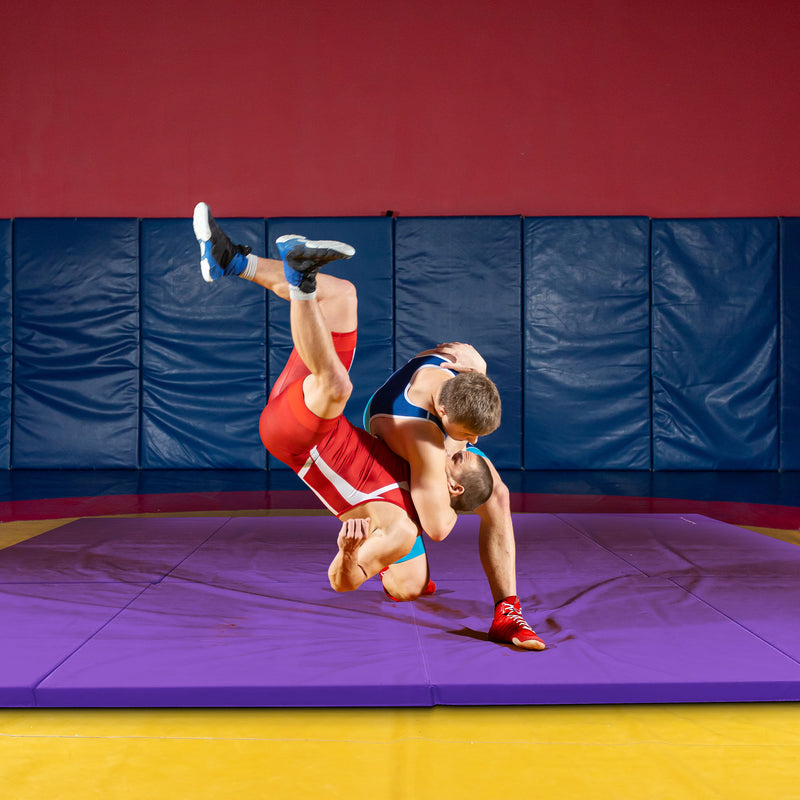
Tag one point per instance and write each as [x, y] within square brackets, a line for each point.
[340, 386]
[406, 580]
[403, 590]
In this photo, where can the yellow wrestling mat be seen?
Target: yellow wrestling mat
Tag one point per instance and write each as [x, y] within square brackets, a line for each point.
[638, 752]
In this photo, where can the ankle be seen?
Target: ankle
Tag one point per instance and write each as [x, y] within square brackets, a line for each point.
[249, 272]
[512, 598]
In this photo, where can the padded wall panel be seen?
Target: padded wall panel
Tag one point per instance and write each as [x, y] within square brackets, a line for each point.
[370, 270]
[587, 343]
[715, 330]
[790, 344]
[76, 343]
[459, 279]
[6, 343]
[203, 353]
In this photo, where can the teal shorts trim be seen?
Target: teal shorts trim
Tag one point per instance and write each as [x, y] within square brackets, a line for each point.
[417, 550]
[472, 449]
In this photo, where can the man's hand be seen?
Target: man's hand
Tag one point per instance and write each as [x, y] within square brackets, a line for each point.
[464, 357]
[345, 573]
[353, 534]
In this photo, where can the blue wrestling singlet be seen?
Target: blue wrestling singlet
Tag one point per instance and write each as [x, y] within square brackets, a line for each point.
[391, 399]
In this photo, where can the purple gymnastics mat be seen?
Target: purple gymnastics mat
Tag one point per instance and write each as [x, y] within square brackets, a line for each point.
[238, 612]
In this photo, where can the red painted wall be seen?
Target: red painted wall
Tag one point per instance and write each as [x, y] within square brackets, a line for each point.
[309, 107]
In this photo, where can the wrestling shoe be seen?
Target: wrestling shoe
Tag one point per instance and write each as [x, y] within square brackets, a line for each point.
[219, 256]
[429, 589]
[303, 259]
[509, 626]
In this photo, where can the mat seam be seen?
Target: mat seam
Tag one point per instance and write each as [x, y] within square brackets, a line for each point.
[125, 607]
[603, 547]
[432, 699]
[56, 667]
[673, 580]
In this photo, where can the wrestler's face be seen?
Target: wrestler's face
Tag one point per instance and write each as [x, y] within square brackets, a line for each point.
[457, 431]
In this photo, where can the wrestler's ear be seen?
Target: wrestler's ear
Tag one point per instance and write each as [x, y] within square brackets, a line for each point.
[454, 487]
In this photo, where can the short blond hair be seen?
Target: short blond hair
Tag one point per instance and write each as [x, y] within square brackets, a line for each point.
[471, 399]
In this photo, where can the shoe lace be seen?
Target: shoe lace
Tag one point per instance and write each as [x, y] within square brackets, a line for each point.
[510, 612]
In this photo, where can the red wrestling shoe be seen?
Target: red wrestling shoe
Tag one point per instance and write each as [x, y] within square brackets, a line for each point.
[509, 626]
[429, 589]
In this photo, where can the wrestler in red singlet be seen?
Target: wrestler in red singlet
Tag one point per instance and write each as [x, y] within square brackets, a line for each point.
[343, 465]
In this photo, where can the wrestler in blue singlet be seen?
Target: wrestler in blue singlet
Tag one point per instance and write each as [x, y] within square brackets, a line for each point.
[391, 400]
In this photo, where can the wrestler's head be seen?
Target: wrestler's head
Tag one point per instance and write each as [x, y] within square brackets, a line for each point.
[469, 480]
[469, 406]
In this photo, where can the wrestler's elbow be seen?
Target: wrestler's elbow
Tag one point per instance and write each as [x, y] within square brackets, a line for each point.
[439, 525]
[438, 533]
[342, 582]
[339, 585]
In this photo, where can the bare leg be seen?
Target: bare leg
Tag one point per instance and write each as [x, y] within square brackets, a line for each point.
[408, 579]
[496, 541]
[366, 547]
[498, 556]
[335, 308]
[327, 389]
[340, 314]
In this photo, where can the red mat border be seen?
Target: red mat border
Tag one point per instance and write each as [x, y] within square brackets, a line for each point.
[760, 515]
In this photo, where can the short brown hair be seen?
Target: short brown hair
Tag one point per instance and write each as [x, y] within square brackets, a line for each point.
[472, 400]
[478, 486]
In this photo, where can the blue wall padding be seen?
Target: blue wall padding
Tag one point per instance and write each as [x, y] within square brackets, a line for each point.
[114, 353]
[587, 343]
[370, 270]
[203, 353]
[459, 279]
[6, 340]
[790, 344]
[76, 343]
[715, 333]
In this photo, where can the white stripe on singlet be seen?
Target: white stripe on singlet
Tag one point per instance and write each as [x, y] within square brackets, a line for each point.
[349, 494]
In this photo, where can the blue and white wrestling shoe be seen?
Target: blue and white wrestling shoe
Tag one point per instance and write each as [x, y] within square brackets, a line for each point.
[219, 256]
[303, 258]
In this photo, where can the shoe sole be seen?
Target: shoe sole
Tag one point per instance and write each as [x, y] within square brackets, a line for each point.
[345, 250]
[529, 644]
[202, 231]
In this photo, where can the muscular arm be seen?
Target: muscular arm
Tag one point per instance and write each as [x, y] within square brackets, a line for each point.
[365, 548]
[345, 573]
[429, 492]
[420, 443]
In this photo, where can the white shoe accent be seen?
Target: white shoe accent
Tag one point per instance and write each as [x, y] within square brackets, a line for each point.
[348, 251]
[202, 231]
